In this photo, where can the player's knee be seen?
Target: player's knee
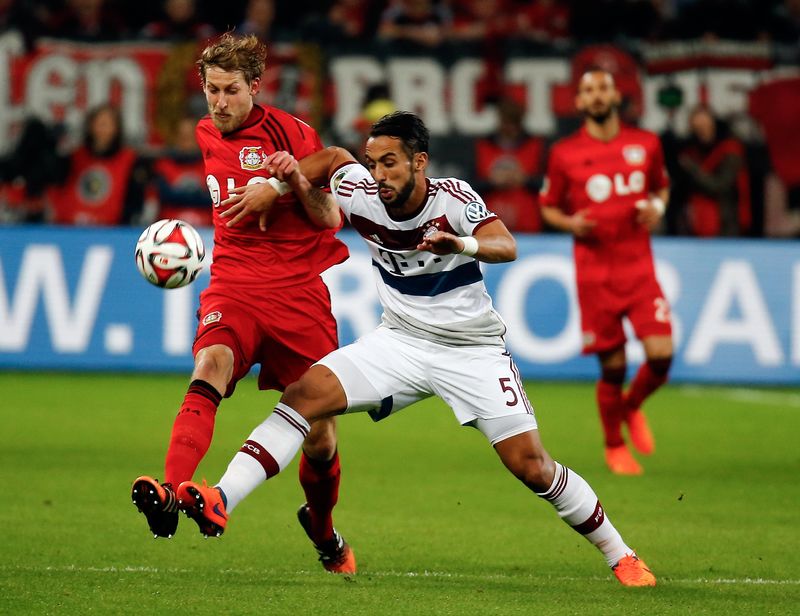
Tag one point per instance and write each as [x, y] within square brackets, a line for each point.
[535, 470]
[214, 364]
[320, 444]
[317, 394]
[660, 365]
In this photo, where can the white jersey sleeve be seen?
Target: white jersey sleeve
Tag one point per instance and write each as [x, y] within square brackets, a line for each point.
[347, 180]
[467, 212]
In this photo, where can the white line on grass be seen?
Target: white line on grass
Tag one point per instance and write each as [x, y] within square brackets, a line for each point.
[410, 574]
[740, 394]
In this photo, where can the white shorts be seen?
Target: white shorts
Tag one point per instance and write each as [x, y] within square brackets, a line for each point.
[386, 370]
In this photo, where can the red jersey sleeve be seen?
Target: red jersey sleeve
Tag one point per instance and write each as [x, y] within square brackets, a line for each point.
[658, 176]
[554, 187]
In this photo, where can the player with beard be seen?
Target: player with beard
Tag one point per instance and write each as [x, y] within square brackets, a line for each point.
[266, 303]
[439, 333]
[607, 186]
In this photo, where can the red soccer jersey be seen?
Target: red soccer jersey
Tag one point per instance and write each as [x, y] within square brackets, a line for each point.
[607, 179]
[292, 250]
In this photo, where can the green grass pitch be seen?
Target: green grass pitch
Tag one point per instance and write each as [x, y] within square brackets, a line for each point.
[438, 526]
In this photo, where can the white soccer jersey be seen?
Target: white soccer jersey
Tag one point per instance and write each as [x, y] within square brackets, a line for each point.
[439, 296]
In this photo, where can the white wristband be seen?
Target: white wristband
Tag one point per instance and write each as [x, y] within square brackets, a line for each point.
[470, 246]
[659, 204]
[280, 187]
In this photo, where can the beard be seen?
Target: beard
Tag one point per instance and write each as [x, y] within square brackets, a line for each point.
[600, 115]
[401, 197]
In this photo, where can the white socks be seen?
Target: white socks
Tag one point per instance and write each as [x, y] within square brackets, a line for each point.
[577, 504]
[265, 453]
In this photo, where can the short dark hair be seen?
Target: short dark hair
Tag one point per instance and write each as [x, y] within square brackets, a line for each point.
[407, 127]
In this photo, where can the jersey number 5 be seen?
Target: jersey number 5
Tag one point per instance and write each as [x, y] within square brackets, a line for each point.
[505, 385]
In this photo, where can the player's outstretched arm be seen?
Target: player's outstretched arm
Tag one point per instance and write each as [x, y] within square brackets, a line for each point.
[577, 224]
[492, 243]
[320, 206]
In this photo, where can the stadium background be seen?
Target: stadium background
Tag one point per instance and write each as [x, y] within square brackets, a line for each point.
[93, 360]
[70, 298]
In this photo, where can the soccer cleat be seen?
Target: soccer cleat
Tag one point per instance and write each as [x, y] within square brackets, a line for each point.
[335, 554]
[632, 571]
[641, 435]
[621, 462]
[204, 505]
[158, 504]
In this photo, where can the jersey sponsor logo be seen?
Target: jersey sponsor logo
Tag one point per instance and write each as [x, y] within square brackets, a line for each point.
[634, 154]
[600, 187]
[212, 317]
[477, 212]
[251, 157]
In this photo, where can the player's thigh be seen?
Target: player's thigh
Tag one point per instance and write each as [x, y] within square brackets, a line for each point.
[300, 331]
[224, 321]
[479, 382]
[649, 312]
[601, 319]
[382, 372]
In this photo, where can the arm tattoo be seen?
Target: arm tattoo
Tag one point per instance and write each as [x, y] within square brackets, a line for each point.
[319, 202]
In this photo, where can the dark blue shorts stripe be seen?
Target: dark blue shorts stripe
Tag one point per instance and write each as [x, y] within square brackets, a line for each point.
[433, 284]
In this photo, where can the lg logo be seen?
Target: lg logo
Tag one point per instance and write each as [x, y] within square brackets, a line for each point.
[600, 187]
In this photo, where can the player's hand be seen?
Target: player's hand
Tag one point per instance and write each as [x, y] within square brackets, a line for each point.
[286, 168]
[243, 201]
[648, 214]
[579, 225]
[440, 243]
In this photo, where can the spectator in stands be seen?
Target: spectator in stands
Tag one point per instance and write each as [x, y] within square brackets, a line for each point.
[26, 172]
[105, 181]
[782, 25]
[259, 19]
[421, 22]
[179, 179]
[544, 21]
[484, 21]
[352, 19]
[712, 184]
[25, 19]
[87, 20]
[507, 164]
[180, 22]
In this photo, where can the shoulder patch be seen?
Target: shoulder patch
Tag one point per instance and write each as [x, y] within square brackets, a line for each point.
[337, 178]
[477, 212]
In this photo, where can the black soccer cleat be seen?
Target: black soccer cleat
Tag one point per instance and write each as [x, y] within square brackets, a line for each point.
[335, 554]
[158, 504]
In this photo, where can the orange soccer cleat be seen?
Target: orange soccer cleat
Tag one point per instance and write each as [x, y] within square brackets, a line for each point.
[335, 554]
[641, 435]
[158, 504]
[632, 571]
[621, 462]
[204, 505]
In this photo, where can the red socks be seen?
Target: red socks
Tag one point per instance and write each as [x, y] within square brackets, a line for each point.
[610, 404]
[651, 375]
[320, 481]
[191, 432]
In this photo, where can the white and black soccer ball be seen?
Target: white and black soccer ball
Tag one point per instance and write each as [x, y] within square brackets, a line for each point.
[170, 253]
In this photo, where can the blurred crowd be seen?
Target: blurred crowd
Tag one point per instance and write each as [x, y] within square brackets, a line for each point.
[722, 184]
[426, 22]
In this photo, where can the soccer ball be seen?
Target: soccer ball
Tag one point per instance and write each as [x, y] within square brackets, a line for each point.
[170, 253]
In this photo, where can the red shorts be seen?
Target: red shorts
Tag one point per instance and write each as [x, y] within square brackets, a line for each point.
[285, 330]
[602, 309]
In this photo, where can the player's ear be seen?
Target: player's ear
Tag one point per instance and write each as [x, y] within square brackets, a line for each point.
[254, 86]
[420, 161]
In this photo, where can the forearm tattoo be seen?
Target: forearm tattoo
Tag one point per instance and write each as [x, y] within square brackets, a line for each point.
[319, 203]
